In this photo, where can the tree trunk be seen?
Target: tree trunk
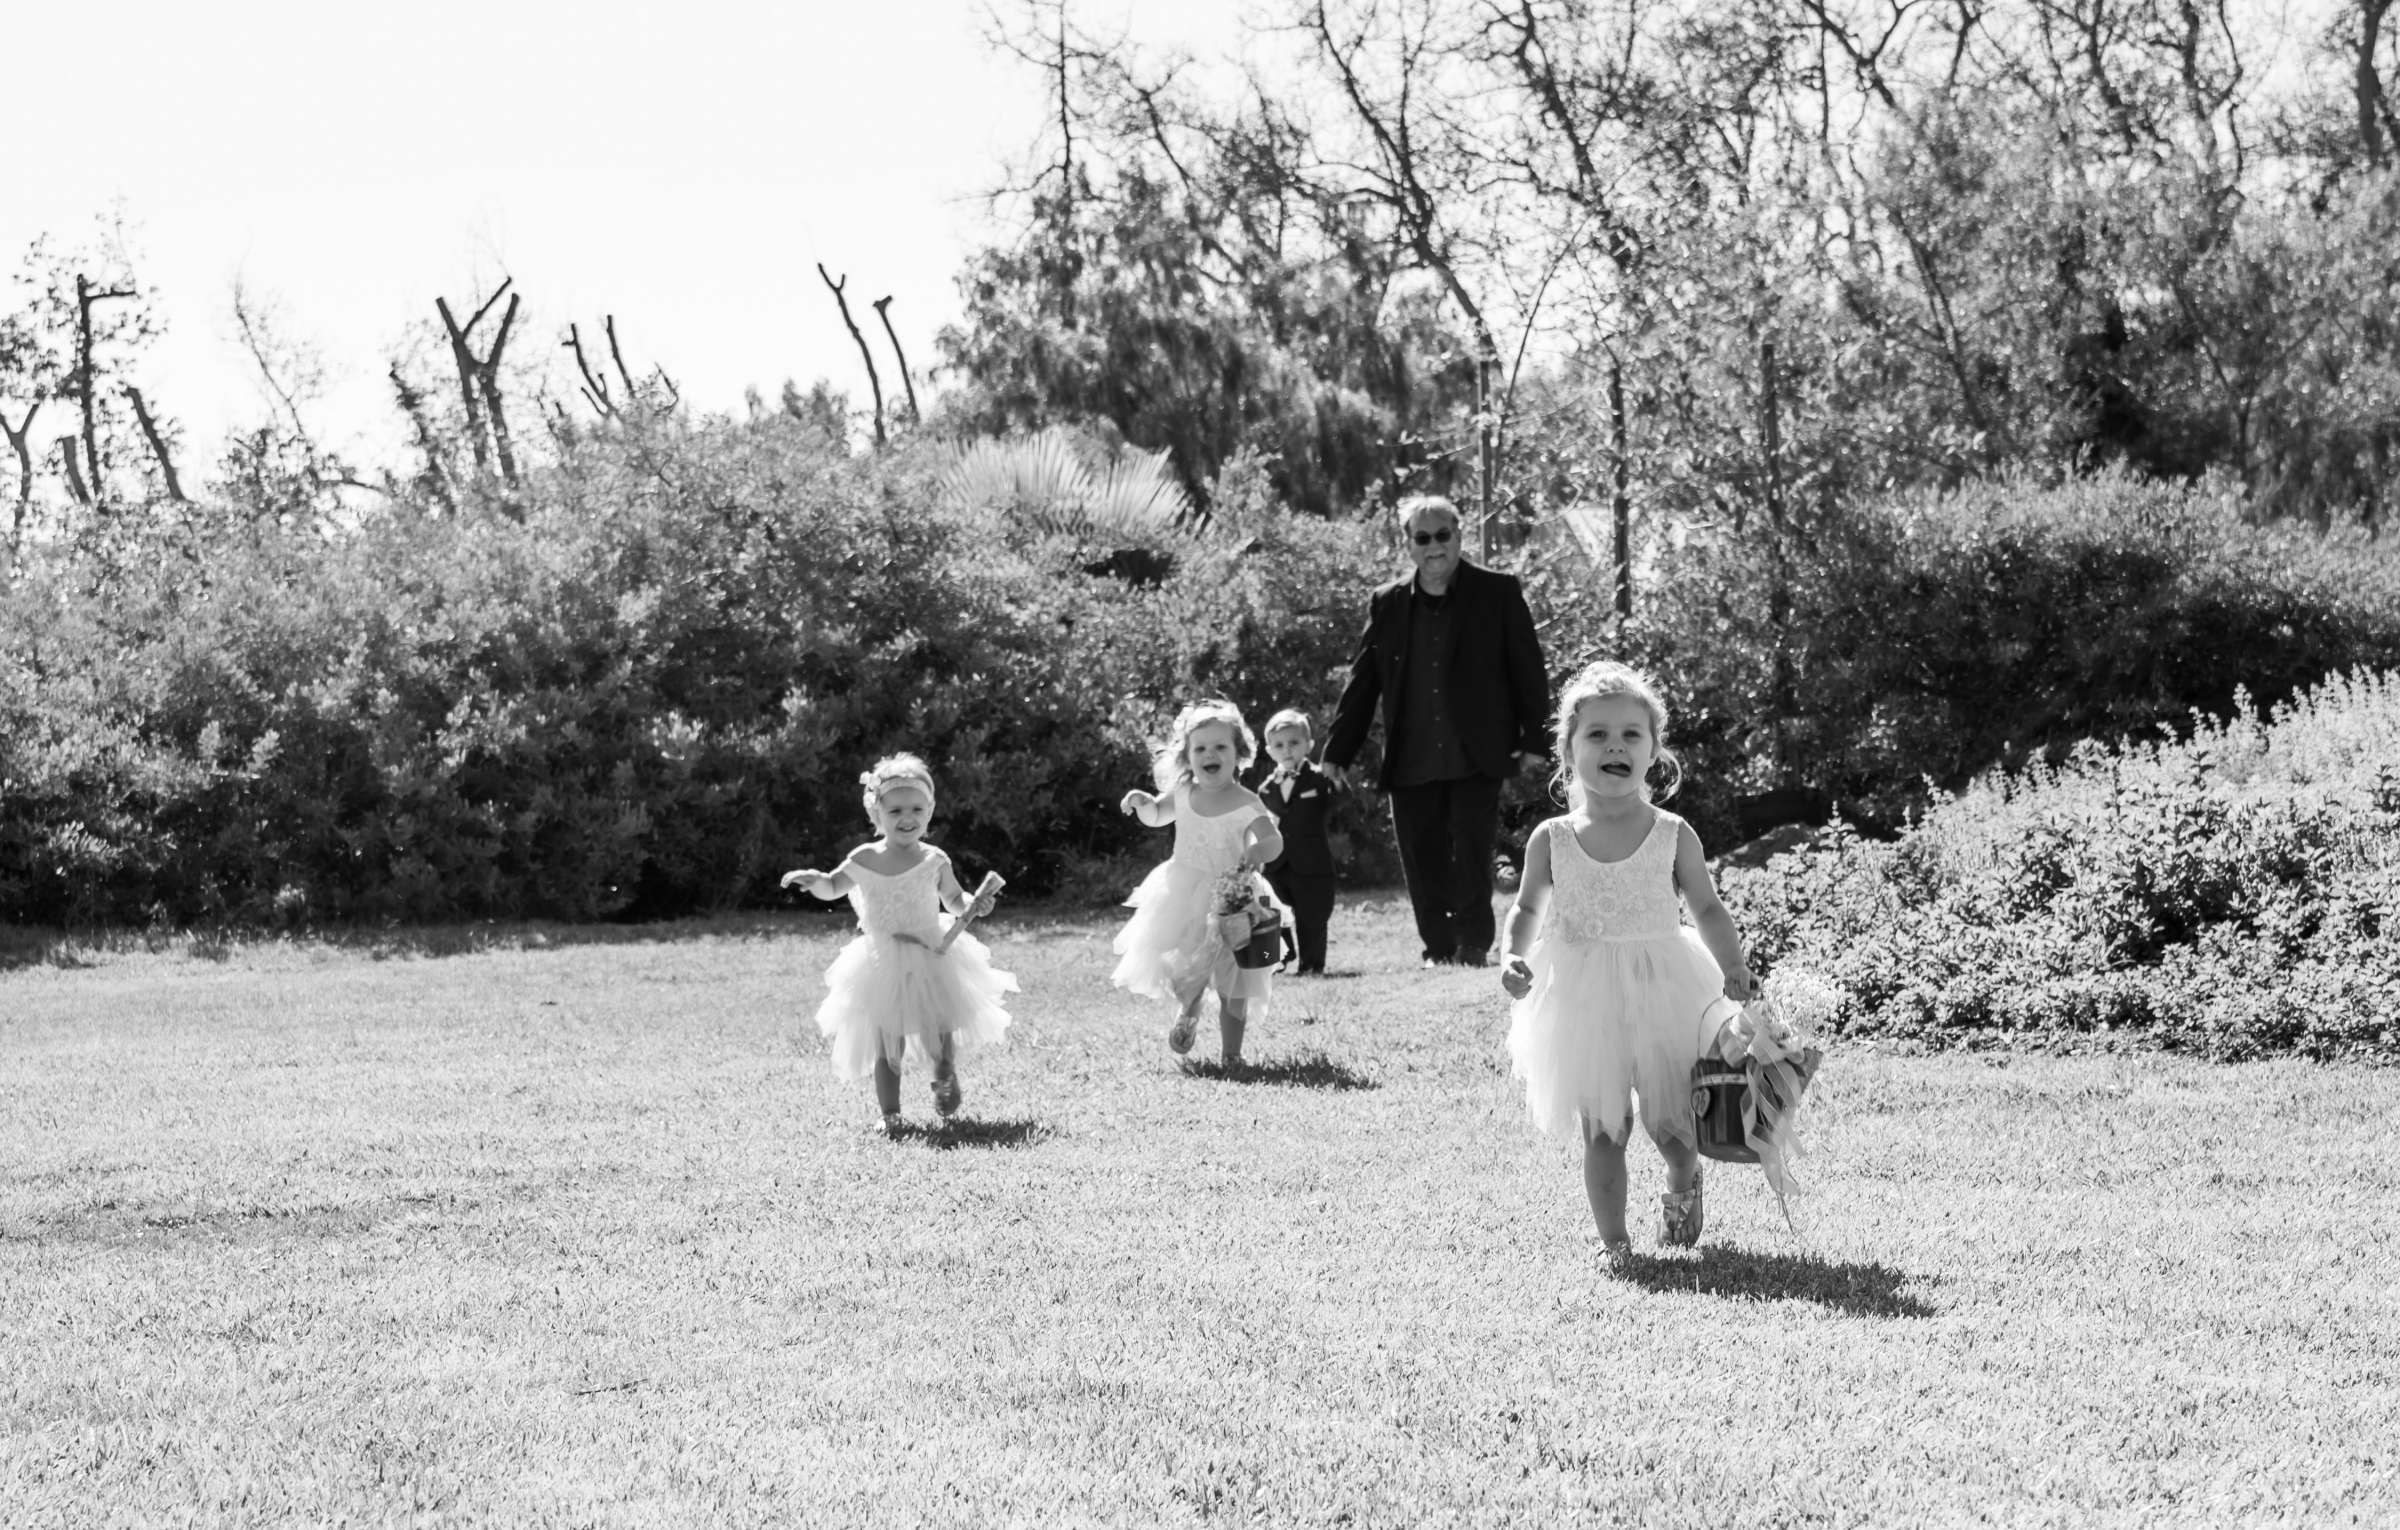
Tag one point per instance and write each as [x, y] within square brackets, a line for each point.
[158, 445]
[81, 491]
[2374, 106]
[874, 383]
[1620, 492]
[20, 442]
[883, 311]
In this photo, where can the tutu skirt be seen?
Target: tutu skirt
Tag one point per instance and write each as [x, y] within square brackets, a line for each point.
[1171, 948]
[881, 992]
[1615, 1021]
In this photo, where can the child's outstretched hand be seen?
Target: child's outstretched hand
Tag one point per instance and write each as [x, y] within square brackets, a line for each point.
[1136, 800]
[808, 879]
[1516, 976]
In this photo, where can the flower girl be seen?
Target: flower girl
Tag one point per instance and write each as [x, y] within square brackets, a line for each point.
[906, 977]
[1617, 998]
[1181, 941]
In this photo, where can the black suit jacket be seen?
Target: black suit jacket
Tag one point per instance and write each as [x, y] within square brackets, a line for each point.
[1501, 704]
[1300, 808]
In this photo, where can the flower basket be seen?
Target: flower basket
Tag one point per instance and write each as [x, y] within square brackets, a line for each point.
[1248, 920]
[1263, 946]
[1749, 1084]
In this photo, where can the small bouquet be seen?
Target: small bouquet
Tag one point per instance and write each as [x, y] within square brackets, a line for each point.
[1248, 919]
[1747, 1087]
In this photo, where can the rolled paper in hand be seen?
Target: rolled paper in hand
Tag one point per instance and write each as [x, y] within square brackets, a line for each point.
[991, 884]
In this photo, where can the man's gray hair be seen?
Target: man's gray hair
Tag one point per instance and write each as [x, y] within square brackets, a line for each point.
[1424, 504]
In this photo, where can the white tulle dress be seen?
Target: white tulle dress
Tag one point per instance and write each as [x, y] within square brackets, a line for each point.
[881, 990]
[1624, 996]
[1171, 948]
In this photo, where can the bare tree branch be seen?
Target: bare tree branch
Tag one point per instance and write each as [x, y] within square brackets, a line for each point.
[20, 442]
[158, 445]
[83, 381]
[74, 473]
[479, 382]
[874, 382]
[883, 306]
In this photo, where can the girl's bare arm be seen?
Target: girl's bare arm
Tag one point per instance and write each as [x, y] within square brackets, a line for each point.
[1525, 916]
[1716, 928]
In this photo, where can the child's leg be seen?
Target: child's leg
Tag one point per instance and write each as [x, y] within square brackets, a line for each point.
[1604, 1183]
[1233, 1018]
[1283, 882]
[1683, 1162]
[946, 1093]
[1680, 1208]
[887, 1075]
[1312, 911]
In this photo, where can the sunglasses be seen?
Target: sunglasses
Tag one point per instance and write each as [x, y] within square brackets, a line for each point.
[1428, 538]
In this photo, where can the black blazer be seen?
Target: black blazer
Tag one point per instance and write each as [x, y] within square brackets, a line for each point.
[1502, 688]
[1300, 812]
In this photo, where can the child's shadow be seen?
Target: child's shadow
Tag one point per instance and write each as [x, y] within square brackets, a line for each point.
[1862, 1290]
[1309, 1070]
[967, 1132]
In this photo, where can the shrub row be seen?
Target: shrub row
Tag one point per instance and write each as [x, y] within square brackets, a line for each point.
[2232, 894]
[644, 687]
[1934, 637]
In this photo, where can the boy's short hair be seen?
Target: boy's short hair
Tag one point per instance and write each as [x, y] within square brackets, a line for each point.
[1289, 717]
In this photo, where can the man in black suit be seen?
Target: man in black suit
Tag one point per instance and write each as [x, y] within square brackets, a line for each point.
[1450, 661]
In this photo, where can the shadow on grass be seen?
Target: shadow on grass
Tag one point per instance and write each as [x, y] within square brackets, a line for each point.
[1309, 1070]
[1862, 1290]
[21, 948]
[967, 1132]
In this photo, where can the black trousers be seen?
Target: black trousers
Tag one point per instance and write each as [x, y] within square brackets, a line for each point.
[1447, 831]
[1310, 898]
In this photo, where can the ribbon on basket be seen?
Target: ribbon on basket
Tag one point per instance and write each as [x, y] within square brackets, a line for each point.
[1775, 1062]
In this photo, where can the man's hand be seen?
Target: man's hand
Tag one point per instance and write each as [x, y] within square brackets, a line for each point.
[1339, 775]
[1531, 764]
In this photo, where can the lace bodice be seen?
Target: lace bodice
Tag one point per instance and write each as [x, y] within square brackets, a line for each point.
[906, 903]
[1211, 845]
[1631, 899]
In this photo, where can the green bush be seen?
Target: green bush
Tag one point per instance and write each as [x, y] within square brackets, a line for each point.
[2233, 894]
[642, 687]
[1931, 638]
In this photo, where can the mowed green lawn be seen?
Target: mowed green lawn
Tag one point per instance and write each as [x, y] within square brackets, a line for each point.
[575, 1228]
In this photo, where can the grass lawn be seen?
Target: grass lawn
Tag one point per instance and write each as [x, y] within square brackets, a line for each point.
[574, 1227]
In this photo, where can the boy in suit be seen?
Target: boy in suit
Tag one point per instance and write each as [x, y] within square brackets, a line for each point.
[1300, 796]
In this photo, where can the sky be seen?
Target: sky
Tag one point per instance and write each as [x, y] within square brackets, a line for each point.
[683, 166]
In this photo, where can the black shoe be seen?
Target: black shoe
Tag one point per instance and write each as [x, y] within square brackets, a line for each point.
[1473, 959]
[1437, 961]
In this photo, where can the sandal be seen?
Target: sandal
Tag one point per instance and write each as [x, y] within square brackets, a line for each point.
[1180, 1034]
[947, 1094]
[892, 1125]
[1616, 1256]
[1680, 1216]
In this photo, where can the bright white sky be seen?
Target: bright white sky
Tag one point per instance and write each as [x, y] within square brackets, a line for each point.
[683, 165]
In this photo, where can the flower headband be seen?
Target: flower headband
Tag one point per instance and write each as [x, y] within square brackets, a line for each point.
[894, 771]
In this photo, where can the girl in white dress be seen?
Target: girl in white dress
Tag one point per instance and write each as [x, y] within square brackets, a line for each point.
[1616, 996]
[901, 980]
[1174, 946]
